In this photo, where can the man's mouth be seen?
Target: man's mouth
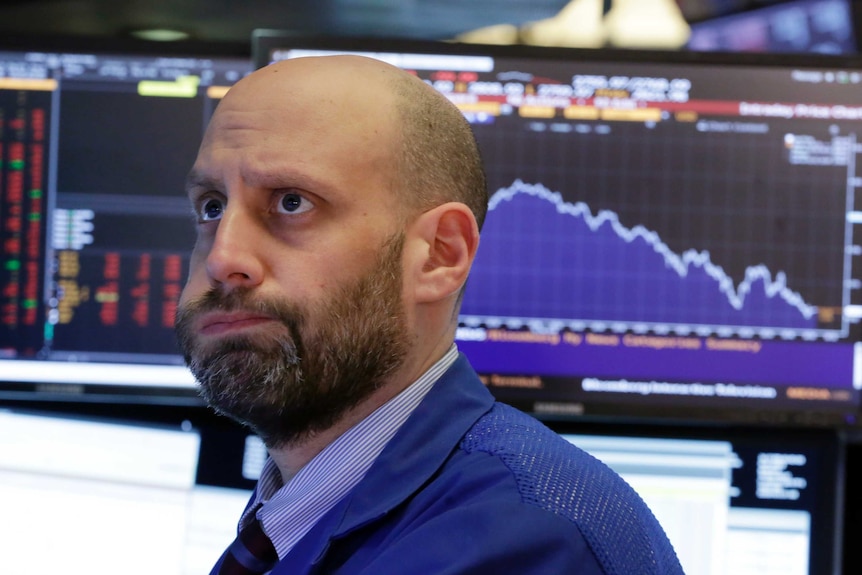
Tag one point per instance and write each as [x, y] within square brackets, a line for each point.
[218, 323]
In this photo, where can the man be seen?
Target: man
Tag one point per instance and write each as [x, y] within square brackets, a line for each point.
[338, 202]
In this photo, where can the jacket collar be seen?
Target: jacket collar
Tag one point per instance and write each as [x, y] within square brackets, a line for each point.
[422, 445]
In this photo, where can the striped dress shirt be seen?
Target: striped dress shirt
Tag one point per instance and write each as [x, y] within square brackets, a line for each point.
[288, 512]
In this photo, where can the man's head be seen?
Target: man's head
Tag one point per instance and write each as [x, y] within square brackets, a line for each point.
[436, 160]
[337, 202]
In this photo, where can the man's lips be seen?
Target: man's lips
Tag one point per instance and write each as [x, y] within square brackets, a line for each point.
[219, 323]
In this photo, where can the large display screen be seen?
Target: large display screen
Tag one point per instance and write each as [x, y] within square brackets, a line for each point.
[95, 229]
[669, 234]
[741, 502]
[747, 503]
[124, 484]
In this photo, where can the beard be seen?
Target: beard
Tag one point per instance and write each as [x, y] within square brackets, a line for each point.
[300, 378]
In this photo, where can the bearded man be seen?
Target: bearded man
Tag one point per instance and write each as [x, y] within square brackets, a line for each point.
[338, 203]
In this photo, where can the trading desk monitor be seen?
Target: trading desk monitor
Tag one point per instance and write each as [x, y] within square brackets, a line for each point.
[94, 227]
[669, 234]
[745, 504]
[730, 502]
[152, 496]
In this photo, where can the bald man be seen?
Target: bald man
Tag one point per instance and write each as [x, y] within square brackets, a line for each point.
[338, 203]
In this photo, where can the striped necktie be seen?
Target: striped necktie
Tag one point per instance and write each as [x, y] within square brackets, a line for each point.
[251, 553]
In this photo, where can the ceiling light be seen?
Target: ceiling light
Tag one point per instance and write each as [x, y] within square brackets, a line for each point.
[160, 34]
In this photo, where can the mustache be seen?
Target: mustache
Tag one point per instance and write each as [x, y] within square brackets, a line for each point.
[239, 300]
[291, 316]
[236, 300]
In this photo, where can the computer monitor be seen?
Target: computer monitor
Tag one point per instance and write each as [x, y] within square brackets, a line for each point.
[669, 234]
[747, 502]
[96, 230]
[105, 493]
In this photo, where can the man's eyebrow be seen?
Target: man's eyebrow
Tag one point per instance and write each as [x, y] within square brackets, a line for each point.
[196, 179]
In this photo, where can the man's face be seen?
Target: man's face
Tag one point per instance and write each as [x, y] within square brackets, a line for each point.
[293, 308]
[299, 376]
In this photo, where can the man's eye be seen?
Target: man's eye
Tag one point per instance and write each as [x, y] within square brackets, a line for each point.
[292, 203]
[211, 209]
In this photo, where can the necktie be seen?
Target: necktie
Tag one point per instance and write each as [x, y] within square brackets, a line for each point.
[251, 553]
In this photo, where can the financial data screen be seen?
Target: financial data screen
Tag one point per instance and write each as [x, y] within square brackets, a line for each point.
[665, 232]
[668, 235]
[95, 229]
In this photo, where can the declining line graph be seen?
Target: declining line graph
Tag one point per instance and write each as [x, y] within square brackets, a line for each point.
[682, 264]
[543, 258]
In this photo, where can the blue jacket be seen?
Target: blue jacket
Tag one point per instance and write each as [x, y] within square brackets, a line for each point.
[471, 486]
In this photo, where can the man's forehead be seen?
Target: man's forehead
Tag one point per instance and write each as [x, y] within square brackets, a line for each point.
[275, 119]
[342, 73]
[308, 92]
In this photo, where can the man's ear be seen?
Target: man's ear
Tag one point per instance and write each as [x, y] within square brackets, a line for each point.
[443, 244]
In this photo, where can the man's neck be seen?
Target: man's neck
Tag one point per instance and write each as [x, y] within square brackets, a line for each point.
[291, 458]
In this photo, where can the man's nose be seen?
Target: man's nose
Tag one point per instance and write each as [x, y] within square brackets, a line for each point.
[234, 257]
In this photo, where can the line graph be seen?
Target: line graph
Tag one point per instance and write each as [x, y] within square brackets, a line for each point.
[548, 260]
